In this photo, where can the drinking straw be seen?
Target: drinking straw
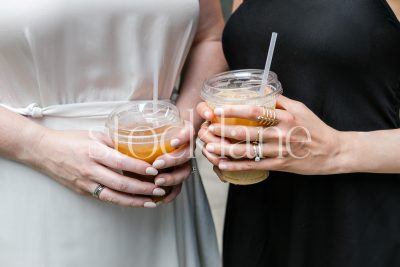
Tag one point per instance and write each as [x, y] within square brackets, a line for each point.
[271, 48]
[155, 90]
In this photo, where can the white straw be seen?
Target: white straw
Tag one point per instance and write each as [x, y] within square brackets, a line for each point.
[155, 90]
[271, 48]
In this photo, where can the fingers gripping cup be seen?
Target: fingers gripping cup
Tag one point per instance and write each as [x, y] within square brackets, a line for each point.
[241, 87]
[144, 130]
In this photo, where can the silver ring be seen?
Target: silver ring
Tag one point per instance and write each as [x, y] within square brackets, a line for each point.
[256, 152]
[260, 134]
[259, 151]
[96, 193]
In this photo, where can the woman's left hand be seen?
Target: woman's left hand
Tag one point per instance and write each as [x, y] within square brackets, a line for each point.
[178, 161]
[300, 143]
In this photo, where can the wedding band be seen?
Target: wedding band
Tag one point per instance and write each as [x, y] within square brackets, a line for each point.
[256, 148]
[96, 193]
[259, 134]
[268, 118]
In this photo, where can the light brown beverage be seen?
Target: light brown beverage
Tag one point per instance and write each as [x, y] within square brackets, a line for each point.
[241, 87]
[145, 134]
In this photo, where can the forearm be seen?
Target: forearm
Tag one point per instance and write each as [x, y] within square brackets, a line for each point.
[375, 152]
[18, 137]
[205, 59]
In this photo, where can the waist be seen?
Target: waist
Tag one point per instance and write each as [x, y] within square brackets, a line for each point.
[73, 110]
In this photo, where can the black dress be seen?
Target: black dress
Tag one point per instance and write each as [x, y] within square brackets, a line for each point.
[342, 59]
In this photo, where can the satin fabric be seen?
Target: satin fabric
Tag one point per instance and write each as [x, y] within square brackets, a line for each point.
[66, 65]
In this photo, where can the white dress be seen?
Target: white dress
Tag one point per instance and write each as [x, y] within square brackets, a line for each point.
[66, 64]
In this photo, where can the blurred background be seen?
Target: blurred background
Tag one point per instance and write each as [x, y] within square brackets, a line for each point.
[226, 7]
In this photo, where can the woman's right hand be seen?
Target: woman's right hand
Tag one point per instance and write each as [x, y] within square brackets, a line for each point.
[82, 160]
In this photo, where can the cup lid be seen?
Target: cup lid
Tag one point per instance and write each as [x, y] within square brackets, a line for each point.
[138, 118]
[219, 87]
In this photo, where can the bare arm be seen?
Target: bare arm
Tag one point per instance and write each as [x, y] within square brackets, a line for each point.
[395, 5]
[18, 137]
[205, 58]
[377, 152]
[314, 148]
[236, 4]
[76, 159]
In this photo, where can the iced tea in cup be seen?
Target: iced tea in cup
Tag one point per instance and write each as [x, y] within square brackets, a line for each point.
[241, 87]
[144, 130]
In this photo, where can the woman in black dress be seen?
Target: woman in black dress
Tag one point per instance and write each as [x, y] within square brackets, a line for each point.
[340, 204]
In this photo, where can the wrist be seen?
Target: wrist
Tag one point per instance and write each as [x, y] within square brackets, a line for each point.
[31, 152]
[348, 158]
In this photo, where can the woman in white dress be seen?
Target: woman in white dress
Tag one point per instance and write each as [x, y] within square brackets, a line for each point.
[64, 65]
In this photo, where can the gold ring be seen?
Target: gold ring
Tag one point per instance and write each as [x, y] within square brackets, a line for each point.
[205, 123]
[268, 118]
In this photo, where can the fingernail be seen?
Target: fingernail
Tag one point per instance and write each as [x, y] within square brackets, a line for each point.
[207, 114]
[150, 205]
[218, 111]
[158, 163]
[151, 171]
[222, 166]
[211, 128]
[210, 148]
[175, 142]
[158, 192]
[183, 131]
[160, 181]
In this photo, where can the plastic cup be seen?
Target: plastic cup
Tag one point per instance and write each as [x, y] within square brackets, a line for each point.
[144, 131]
[241, 87]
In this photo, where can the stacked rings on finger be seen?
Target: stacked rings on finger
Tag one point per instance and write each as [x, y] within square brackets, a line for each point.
[257, 151]
[268, 118]
[260, 134]
[97, 191]
[206, 123]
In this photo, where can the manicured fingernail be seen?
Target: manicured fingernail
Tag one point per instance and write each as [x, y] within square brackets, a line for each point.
[158, 192]
[218, 111]
[151, 171]
[158, 163]
[150, 205]
[207, 114]
[183, 131]
[175, 142]
[210, 148]
[211, 128]
[160, 181]
[222, 166]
